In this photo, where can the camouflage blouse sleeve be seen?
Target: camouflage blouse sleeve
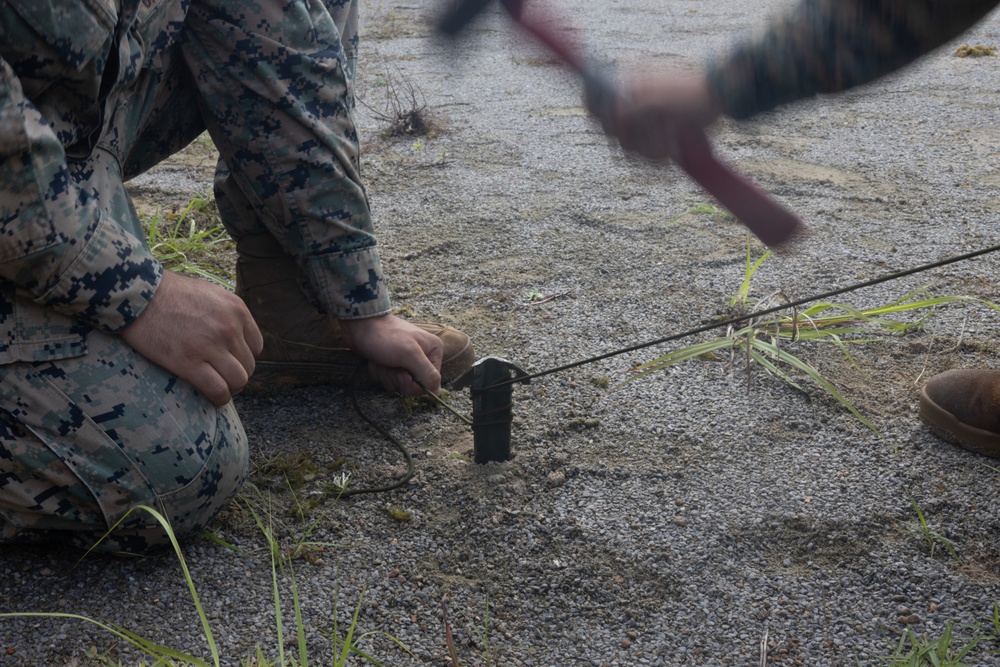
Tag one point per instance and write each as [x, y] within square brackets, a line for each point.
[56, 247]
[826, 46]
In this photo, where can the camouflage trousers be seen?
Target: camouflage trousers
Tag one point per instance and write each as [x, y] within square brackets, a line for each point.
[85, 439]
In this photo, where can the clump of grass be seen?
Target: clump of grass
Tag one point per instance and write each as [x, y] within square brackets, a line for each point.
[479, 631]
[390, 25]
[346, 643]
[295, 469]
[482, 633]
[398, 513]
[424, 402]
[951, 649]
[600, 381]
[191, 243]
[767, 341]
[928, 536]
[966, 51]
[404, 113]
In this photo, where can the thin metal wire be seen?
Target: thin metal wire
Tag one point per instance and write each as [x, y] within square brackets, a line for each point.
[440, 401]
[736, 320]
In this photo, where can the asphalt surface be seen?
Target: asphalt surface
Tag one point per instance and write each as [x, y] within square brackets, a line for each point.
[685, 518]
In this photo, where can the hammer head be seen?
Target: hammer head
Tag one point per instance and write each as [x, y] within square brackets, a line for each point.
[461, 13]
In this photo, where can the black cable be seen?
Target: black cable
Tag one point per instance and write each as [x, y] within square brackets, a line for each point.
[768, 311]
[410, 467]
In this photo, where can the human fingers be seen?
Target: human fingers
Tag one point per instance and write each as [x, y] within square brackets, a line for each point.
[225, 371]
[212, 385]
[657, 110]
[391, 345]
[199, 332]
[232, 358]
[245, 349]
[394, 379]
[425, 370]
[253, 337]
[648, 134]
[404, 381]
[233, 370]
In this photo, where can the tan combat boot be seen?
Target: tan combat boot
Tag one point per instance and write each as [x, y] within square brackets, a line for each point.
[301, 345]
[963, 406]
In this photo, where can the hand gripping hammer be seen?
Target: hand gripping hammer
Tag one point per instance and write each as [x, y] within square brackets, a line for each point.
[770, 221]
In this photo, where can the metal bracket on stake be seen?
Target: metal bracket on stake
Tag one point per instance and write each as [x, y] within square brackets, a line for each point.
[492, 409]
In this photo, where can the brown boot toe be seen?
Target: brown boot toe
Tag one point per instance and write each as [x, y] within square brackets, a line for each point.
[963, 406]
[458, 352]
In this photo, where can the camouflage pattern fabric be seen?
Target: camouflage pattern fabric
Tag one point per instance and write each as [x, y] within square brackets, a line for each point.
[92, 93]
[827, 46]
[84, 440]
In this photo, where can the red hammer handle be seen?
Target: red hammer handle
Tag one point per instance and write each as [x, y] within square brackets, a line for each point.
[771, 222]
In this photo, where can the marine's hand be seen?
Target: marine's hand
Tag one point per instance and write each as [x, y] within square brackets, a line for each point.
[401, 356]
[200, 332]
[655, 112]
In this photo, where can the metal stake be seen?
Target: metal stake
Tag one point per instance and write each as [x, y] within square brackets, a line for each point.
[492, 409]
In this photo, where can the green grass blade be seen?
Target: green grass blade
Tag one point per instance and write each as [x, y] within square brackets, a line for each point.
[815, 375]
[839, 342]
[683, 354]
[378, 633]
[748, 273]
[206, 628]
[370, 658]
[158, 651]
[773, 369]
[930, 303]
[366, 656]
[697, 207]
[348, 641]
[819, 334]
[273, 549]
[212, 537]
[300, 629]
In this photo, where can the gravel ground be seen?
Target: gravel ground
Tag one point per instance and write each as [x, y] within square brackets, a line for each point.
[684, 519]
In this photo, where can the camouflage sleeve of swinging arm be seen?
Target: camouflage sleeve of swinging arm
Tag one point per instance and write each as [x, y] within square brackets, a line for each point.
[826, 46]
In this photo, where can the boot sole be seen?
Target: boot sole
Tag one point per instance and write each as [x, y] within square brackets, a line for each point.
[943, 424]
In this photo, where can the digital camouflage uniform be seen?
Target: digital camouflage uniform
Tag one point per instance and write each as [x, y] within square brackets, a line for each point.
[92, 93]
[827, 46]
